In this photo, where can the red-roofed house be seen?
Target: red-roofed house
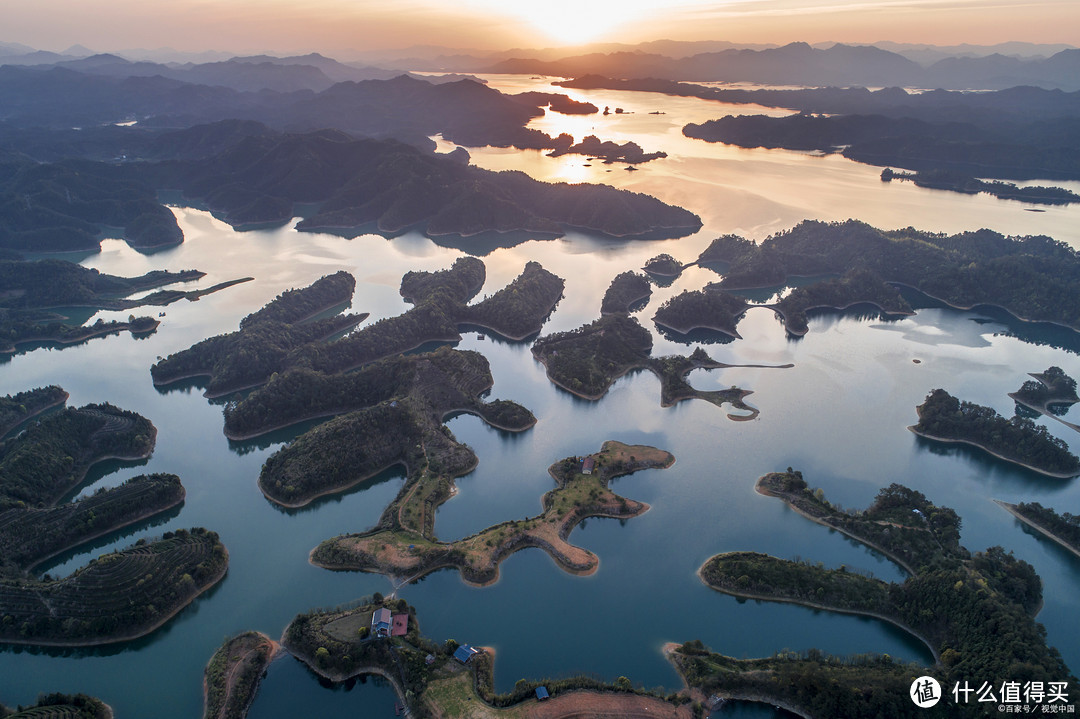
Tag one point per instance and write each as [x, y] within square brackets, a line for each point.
[587, 465]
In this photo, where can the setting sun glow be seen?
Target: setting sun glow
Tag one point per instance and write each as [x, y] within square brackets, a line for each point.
[572, 22]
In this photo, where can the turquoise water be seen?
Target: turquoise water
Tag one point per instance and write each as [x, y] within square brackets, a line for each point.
[839, 415]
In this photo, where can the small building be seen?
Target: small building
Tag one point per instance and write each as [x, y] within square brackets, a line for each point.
[429, 659]
[541, 693]
[464, 653]
[399, 625]
[587, 465]
[380, 622]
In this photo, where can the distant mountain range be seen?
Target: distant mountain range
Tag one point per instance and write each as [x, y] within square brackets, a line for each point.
[977, 67]
[801, 64]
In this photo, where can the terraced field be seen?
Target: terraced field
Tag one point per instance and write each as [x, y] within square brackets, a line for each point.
[30, 536]
[118, 596]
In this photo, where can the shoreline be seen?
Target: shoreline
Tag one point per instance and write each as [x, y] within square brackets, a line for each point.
[824, 607]
[276, 651]
[106, 330]
[1011, 509]
[970, 308]
[214, 394]
[783, 316]
[1046, 473]
[331, 490]
[212, 582]
[83, 540]
[729, 332]
[1042, 409]
[817, 520]
[4, 431]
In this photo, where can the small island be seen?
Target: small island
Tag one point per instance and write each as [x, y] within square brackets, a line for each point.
[398, 547]
[664, 265]
[1051, 393]
[1062, 528]
[608, 151]
[232, 676]
[939, 603]
[628, 290]
[944, 418]
[709, 308]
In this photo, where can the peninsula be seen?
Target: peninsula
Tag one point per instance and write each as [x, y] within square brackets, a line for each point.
[400, 547]
[381, 636]
[588, 360]
[400, 422]
[1030, 277]
[627, 291]
[944, 418]
[266, 338]
[938, 604]
[232, 676]
[122, 595]
[1062, 528]
[1050, 393]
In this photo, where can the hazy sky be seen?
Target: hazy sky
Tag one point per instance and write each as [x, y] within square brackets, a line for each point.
[340, 26]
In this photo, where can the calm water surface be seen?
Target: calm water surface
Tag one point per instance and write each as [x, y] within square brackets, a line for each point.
[839, 415]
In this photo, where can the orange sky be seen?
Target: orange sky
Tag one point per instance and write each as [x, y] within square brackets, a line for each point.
[340, 26]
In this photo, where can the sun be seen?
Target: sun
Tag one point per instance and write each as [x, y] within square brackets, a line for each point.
[574, 22]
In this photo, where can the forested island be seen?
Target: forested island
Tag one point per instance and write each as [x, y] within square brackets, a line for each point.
[959, 182]
[1007, 134]
[945, 418]
[265, 339]
[30, 536]
[954, 601]
[1051, 393]
[400, 404]
[1062, 528]
[52, 456]
[626, 291]
[1030, 277]
[664, 265]
[33, 328]
[232, 676]
[454, 377]
[587, 361]
[608, 151]
[27, 289]
[402, 546]
[117, 597]
[265, 344]
[22, 406]
[44, 284]
[709, 308]
[854, 288]
[60, 706]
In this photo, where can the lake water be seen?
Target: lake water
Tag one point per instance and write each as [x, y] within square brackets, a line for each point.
[839, 415]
